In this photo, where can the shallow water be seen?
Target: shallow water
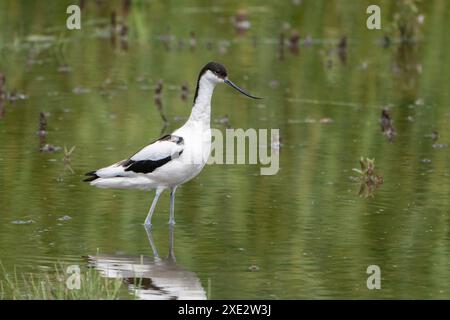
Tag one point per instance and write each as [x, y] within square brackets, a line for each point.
[303, 233]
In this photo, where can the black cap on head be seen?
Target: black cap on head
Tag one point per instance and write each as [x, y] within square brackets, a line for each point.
[216, 68]
[220, 71]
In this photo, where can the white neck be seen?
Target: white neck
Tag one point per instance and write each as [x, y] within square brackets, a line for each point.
[201, 111]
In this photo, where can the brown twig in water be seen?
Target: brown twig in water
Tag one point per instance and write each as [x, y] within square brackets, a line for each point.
[43, 146]
[294, 39]
[158, 101]
[126, 6]
[2, 82]
[42, 129]
[184, 91]
[113, 28]
[123, 36]
[42, 123]
[387, 127]
[342, 50]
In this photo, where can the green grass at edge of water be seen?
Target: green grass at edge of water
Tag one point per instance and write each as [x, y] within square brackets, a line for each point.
[53, 286]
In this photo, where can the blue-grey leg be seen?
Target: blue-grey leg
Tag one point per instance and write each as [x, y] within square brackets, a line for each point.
[152, 243]
[172, 206]
[148, 221]
[171, 252]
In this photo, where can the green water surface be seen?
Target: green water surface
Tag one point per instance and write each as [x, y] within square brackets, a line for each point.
[303, 233]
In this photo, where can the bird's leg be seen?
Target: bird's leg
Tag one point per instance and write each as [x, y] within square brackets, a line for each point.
[152, 243]
[171, 252]
[172, 206]
[148, 221]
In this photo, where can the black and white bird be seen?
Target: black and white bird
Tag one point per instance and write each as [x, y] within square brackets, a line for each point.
[173, 159]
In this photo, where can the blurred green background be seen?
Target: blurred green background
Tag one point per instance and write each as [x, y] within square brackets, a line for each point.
[301, 234]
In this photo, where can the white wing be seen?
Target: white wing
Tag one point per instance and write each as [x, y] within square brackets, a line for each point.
[158, 150]
[146, 160]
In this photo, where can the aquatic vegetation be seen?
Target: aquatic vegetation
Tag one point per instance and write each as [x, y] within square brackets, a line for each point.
[68, 158]
[408, 19]
[42, 125]
[53, 286]
[184, 91]
[5, 96]
[342, 50]
[387, 127]
[158, 100]
[117, 27]
[368, 179]
[294, 40]
[288, 38]
[42, 133]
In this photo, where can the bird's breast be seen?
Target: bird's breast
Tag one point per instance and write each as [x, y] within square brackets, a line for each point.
[197, 147]
[196, 150]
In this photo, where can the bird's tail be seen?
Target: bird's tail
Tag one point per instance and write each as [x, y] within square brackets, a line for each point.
[92, 176]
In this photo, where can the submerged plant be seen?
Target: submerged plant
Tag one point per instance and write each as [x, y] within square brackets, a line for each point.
[368, 179]
[68, 158]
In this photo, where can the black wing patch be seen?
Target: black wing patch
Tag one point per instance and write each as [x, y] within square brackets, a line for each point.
[92, 176]
[148, 166]
[144, 166]
[169, 137]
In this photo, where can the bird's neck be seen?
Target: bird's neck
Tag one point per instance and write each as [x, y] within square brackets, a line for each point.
[201, 111]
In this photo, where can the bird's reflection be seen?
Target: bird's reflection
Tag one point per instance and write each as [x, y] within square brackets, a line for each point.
[151, 278]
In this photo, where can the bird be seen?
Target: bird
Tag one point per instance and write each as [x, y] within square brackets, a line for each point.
[173, 159]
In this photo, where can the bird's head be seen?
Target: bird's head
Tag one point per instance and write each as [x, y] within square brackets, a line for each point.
[215, 73]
